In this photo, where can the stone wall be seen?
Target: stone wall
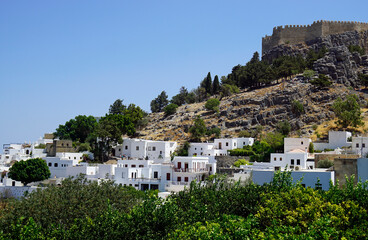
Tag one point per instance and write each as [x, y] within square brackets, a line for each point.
[325, 156]
[294, 34]
[345, 167]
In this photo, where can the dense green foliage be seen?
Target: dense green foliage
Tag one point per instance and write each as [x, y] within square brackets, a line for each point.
[158, 104]
[321, 82]
[170, 109]
[31, 170]
[219, 209]
[109, 132]
[198, 130]
[311, 147]
[283, 127]
[356, 48]
[297, 107]
[240, 162]
[212, 104]
[117, 107]
[261, 150]
[183, 150]
[77, 129]
[325, 163]
[348, 111]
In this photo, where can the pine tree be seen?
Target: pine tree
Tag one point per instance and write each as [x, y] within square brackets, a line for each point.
[216, 85]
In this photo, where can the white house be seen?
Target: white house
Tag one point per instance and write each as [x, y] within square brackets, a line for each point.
[295, 155]
[219, 147]
[145, 149]
[164, 176]
[336, 139]
[360, 146]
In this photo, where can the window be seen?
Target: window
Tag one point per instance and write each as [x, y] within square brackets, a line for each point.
[155, 174]
[50, 164]
[280, 158]
[298, 162]
[274, 159]
[195, 148]
[137, 148]
[140, 166]
[357, 145]
[302, 142]
[55, 165]
[243, 143]
[119, 149]
[318, 186]
[168, 177]
[75, 158]
[292, 162]
[126, 165]
[133, 165]
[67, 144]
[179, 179]
[363, 145]
[186, 179]
[160, 152]
[277, 168]
[126, 147]
[234, 144]
[153, 148]
[227, 144]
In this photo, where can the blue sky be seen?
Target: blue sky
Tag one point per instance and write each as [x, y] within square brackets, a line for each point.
[60, 59]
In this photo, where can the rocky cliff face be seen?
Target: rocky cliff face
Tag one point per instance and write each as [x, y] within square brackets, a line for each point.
[339, 63]
[246, 110]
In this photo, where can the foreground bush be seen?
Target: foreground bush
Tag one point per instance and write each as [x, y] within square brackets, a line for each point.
[219, 209]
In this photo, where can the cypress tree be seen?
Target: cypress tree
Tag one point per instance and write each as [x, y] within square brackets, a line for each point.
[216, 85]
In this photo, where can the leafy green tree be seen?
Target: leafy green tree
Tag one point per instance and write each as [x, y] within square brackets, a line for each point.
[158, 104]
[183, 150]
[207, 84]
[135, 113]
[275, 140]
[198, 130]
[109, 133]
[180, 98]
[321, 82]
[170, 109]
[348, 111]
[212, 104]
[311, 147]
[117, 107]
[191, 97]
[77, 129]
[216, 85]
[228, 90]
[297, 107]
[240, 162]
[31, 170]
[214, 131]
[283, 127]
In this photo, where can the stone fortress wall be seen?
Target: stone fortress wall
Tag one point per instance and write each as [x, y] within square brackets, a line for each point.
[293, 34]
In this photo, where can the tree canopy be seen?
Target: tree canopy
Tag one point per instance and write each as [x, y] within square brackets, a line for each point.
[158, 104]
[198, 130]
[31, 170]
[77, 129]
[348, 111]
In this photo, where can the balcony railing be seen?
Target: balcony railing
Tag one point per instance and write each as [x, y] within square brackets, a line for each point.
[190, 170]
[145, 179]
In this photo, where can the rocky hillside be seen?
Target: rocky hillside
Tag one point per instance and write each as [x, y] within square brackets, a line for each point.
[339, 63]
[244, 111]
[267, 106]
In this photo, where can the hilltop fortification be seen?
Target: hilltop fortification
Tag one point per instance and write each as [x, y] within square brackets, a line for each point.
[293, 34]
